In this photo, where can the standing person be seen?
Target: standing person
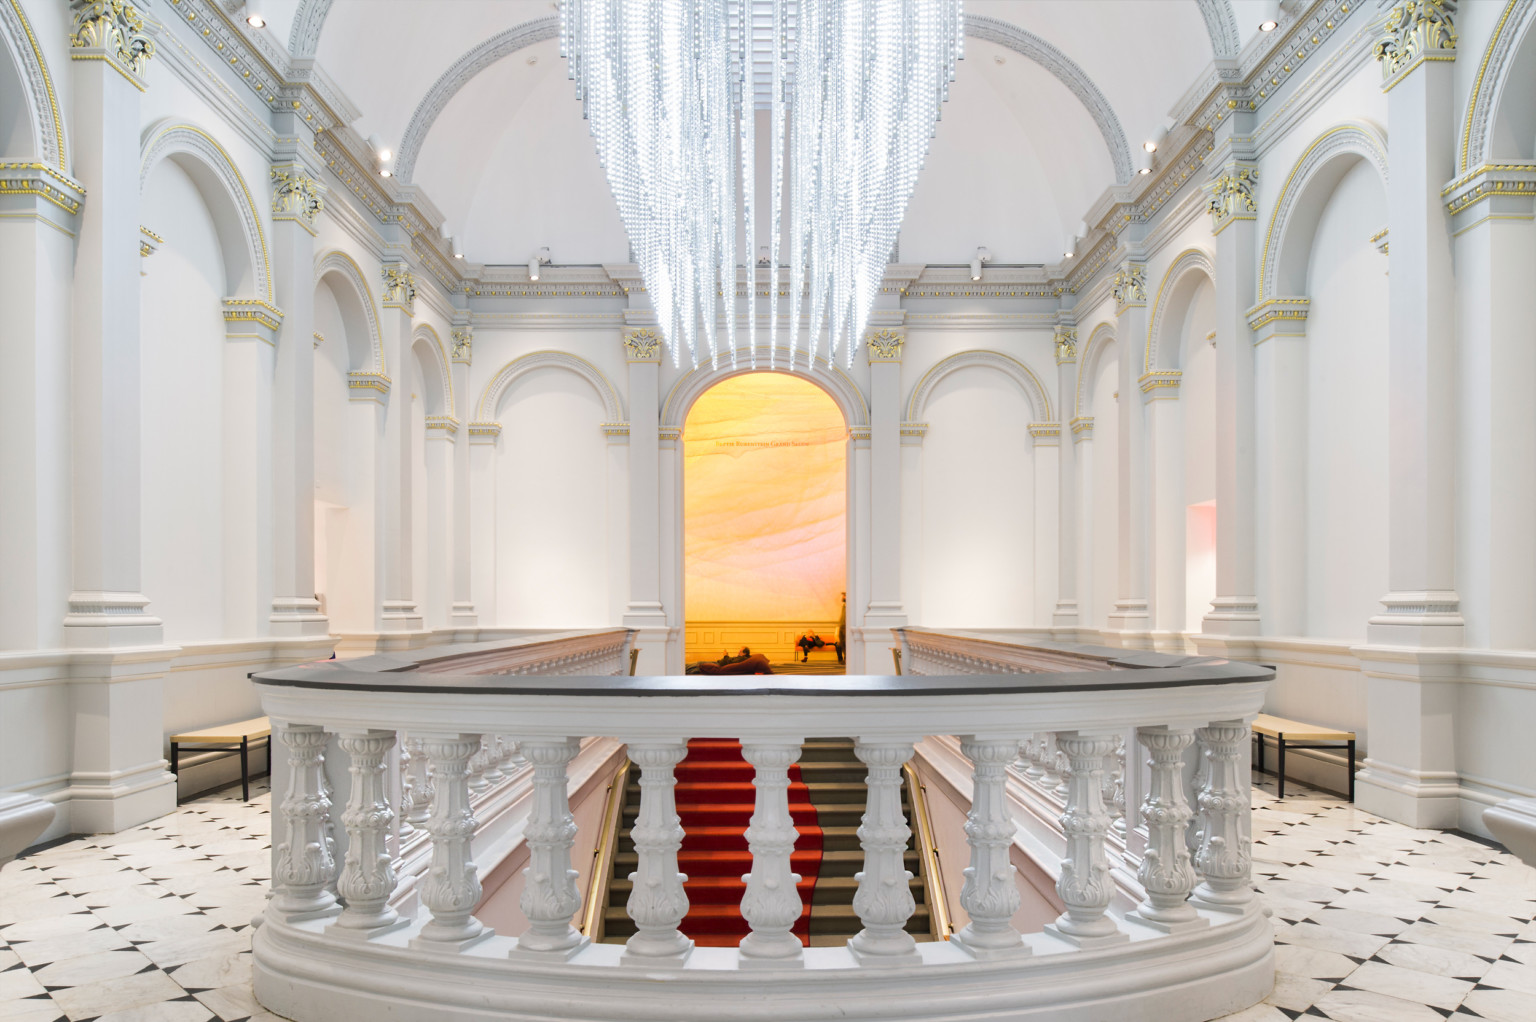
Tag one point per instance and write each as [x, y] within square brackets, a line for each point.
[842, 628]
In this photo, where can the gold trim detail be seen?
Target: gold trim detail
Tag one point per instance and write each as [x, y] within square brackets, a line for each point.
[1129, 286]
[1491, 180]
[1045, 434]
[43, 181]
[42, 66]
[602, 855]
[372, 381]
[1081, 425]
[1476, 94]
[1159, 379]
[1273, 309]
[1066, 344]
[116, 28]
[253, 310]
[642, 345]
[1231, 197]
[485, 429]
[463, 340]
[884, 345]
[442, 423]
[399, 287]
[615, 429]
[927, 847]
[1415, 31]
[296, 196]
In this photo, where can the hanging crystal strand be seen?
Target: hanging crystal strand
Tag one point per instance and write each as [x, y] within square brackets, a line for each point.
[746, 120]
[780, 44]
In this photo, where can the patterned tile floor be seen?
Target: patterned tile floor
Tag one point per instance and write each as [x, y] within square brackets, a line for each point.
[1374, 921]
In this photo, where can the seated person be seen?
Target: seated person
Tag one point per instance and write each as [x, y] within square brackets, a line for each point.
[744, 662]
[809, 641]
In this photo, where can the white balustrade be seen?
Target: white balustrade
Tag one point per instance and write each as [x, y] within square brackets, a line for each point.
[1166, 874]
[771, 903]
[991, 894]
[478, 764]
[884, 899]
[657, 903]
[367, 876]
[1224, 858]
[452, 886]
[550, 897]
[1085, 886]
[320, 959]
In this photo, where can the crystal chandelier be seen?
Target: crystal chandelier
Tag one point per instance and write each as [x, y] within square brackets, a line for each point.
[852, 90]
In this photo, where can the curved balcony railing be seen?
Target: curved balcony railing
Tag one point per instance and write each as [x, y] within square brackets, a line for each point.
[334, 945]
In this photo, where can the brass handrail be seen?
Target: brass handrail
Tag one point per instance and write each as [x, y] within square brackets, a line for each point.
[928, 852]
[602, 855]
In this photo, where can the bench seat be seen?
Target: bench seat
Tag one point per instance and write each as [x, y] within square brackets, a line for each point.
[1290, 734]
[235, 737]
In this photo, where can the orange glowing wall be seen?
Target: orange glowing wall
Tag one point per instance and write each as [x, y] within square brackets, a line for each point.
[764, 458]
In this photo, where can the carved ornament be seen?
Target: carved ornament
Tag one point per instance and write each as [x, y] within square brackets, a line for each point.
[463, 338]
[885, 345]
[643, 345]
[1231, 197]
[1066, 344]
[1416, 31]
[399, 287]
[1130, 285]
[296, 196]
[116, 29]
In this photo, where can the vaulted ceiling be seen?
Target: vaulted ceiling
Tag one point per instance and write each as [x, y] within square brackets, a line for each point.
[1049, 107]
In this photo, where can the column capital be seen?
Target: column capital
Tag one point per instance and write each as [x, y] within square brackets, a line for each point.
[463, 341]
[399, 288]
[249, 317]
[444, 427]
[1279, 317]
[1129, 286]
[367, 386]
[38, 189]
[296, 196]
[1066, 344]
[1045, 434]
[484, 432]
[1230, 195]
[642, 345]
[1082, 428]
[1415, 31]
[884, 344]
[111, 31]
[912, 433]
[1160, 384]
[1507, 188]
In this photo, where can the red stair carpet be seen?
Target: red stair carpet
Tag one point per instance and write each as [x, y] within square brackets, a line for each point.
[714, 801]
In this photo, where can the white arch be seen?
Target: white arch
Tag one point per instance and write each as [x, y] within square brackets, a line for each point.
[425, 334]
[1003, 33]
[1018, 372]
[231, 203]
[1221, 26]
[1103, 336]
[1349, 141]
[1191, 260]
[308, 20]
[830, 377]
[487, 411]
[41, 101]
[1489, 88]
[338, 262]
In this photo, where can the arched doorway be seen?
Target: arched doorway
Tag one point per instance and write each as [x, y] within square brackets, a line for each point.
[764, 514]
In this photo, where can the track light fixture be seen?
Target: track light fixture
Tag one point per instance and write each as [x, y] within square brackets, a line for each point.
[1269, 16]
[383, 154]
[983, 255]
[536, 260]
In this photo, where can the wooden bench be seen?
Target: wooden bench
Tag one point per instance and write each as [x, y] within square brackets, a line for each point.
[235, 737]
[1291, 733]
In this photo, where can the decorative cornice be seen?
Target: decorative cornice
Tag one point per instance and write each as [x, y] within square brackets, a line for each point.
[1415, 31]
[252, 310]
[642, 345]
[1491, 77]
[484, 432]
[463, 339]
[149, 241]
[615, 430]
[37, 83]
[884, 345]
[1160, 383]
[296, 196]
[1129, 287]
[1066, 344]
[1279, 317]
[1231, 196]
[1494, 183]
[1380, 240]
[112, 31]
[912, 433]
[859, 434]
[669, 434]
[444, 424]
[363, 382]
[1045, 434]
[399, 287]
[42, 181]
[1082, 428]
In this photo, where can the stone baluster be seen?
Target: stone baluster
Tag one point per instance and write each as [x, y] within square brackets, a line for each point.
[367, 877]
[771, 904]
[657, 902]
[477, 766]
[306, 866]
[1050, 776]
[494, 750]
[1224, 859]
[1085, 886]
[990, 894]
[452, 886]
[407, 792]
[1114, 786]
[1165, 873]
[422, 789]
[549, 896]
[1034, 757]
[884, 899]
[510, 760]
[1194, 836]
[1061, 767]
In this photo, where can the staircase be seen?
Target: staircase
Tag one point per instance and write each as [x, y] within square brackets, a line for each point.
[714, 797]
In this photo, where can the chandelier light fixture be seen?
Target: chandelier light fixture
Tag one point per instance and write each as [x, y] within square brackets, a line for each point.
[852, 91]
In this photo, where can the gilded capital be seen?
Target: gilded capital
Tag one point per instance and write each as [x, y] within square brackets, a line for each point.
[884, 345]
[399, 287]
[1130, 285]
[113, 31]
[463, 338]
[296, 196]
[1066, 344]
[1231, 197]
[642, 345]
[1415, 31]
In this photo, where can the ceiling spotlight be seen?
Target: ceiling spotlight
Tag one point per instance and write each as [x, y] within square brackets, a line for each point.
[1269, 15]
[1268, 26]
[255, 21]
[1066, 255]
[456, 248]
[1150, 146]
[1144, 170]
[386, 172]
[983, 255]
[536, 260]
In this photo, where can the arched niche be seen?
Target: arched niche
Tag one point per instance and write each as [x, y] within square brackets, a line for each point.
[1100, 338]
[432, 362]
[224, 191]
[1018, 372]
[1293, 223]
[27, 93]
[826, 375]
[1177, 290]
[488, 410]
[1500, 123]
[359, 312]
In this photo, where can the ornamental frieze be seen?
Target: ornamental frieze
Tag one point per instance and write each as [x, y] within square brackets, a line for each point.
[1130, 285]
[115, 28]
[1231, 197]
[399, 287]
[885, 345]
[296, 196]
[1416, 31]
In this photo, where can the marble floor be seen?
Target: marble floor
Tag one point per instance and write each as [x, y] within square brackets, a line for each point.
[1374, 921]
